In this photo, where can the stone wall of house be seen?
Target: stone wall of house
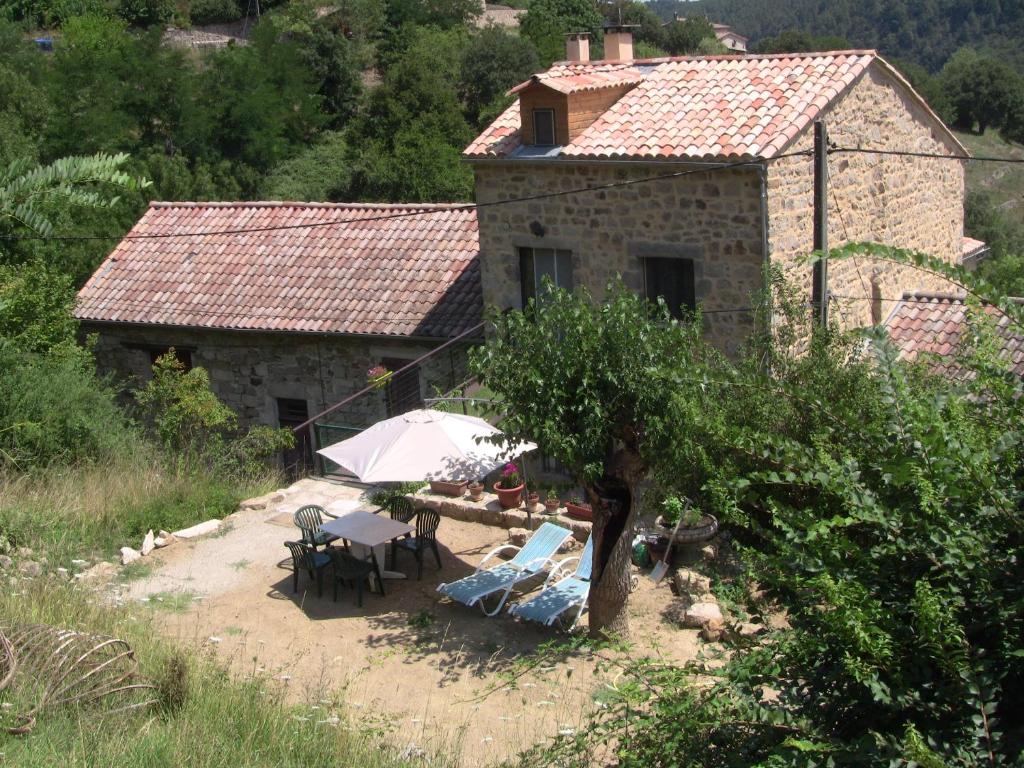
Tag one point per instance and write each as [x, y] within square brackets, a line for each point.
[250, 370]
[712, 218]
[914, 203]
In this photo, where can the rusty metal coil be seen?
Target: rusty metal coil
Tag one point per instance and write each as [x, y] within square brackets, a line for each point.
[62, 666]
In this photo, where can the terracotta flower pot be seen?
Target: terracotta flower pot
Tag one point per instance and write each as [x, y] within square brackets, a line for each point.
[449, 487]
[533, 502]
[509, 498]
[579, 511]
[551, 506]
[476, 491]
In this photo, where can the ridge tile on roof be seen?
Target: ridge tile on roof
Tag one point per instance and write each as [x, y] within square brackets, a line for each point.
[375, 269]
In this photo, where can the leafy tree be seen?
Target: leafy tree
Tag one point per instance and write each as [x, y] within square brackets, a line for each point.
[213, 11]
[27, 191]
[445, 14]
[604, 411]
[683, 37]
[799, 41]
[144, 13]
[982, 91]
[406, 144]
[319, 173]
[258, 102]
[90, 86]
[35, 308]
[879, 506]
[546, 23]
[493, 61]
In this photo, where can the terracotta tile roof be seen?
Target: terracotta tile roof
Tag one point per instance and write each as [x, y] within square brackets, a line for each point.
[704, 107]
[569, 77]
[971, 247]
[408, 275]
[928, 324]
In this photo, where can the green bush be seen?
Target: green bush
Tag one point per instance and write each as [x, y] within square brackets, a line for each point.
[213, 11]
[54, 410]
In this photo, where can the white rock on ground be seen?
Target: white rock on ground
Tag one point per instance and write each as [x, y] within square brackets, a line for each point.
[5, 562]
[129, 555]
[699, 615]
[202, 529]
[691, 583]
[148, 544]
[30, 568]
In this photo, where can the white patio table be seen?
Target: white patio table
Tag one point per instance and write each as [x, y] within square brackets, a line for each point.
[369, 530]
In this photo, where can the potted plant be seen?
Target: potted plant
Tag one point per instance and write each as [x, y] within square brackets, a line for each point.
[575, 508]
[476, 490]
[533, 501]
[552, 502]
[688, 523]
[510, 487]
[449, 487]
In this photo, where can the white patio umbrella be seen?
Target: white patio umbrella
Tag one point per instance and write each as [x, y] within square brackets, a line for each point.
[423, 445]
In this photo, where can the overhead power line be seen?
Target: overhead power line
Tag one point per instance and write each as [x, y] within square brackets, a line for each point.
[706, 168]
[931, 155]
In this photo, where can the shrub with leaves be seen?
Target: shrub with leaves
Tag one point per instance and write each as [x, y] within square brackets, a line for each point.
[196, 427]
[879, 505]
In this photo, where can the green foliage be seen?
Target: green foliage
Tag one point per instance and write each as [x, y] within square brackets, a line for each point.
[318, 173]
[879, 506]
[682, 38]
[443, 14]
[798, 41]
[213, 11]
[35, 308]
[406, 144]
[493, 61]
[197, 428]
[982, 91]
[546, 23]
[28, 191]
[144, 13]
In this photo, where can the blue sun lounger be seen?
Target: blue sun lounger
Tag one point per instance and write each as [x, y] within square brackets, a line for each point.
[534, 558]
[560, 593]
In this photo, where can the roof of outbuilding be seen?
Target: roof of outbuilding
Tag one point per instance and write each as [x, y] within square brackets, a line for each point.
[391, 270]
[934, 325]
[698, 107]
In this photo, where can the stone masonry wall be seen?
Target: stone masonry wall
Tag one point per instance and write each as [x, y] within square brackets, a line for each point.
[912, 203]
[714, 219]
[248, 371]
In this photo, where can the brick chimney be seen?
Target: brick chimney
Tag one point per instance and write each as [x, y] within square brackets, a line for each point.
[577, 46]
[618, 42]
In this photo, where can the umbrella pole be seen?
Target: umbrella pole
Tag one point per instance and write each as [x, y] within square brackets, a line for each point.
[526, 495]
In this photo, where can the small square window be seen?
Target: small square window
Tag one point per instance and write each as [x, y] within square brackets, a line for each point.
[544, 127]
[673, 280]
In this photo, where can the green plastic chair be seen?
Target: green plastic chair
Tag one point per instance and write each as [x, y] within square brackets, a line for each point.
[427, 521]
[309, 519]
[306, 559]
[351, 570]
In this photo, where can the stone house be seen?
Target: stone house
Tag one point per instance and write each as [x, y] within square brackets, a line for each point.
[288, 305]
[725, 34]
[686, 176]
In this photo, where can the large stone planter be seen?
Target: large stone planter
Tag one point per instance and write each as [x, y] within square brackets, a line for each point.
[696, 534]
[579, 511]
[449, 487]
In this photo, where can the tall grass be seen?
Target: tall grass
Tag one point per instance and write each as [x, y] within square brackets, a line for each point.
[91, 510]
[223, 723]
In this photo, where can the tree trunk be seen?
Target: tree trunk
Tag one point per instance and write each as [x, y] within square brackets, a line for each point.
[614, 512]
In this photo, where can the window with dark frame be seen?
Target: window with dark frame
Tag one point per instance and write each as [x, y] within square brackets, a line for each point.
[673, 280]
[544, 127]
[537, 263]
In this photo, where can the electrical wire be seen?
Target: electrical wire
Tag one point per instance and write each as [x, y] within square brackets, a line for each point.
[930, 155]
[426, 211]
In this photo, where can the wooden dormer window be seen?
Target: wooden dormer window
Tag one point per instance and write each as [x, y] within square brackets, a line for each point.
[544, 127]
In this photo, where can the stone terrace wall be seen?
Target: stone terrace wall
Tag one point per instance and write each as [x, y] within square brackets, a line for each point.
[906, 202]
[249, 371]
[715, 219]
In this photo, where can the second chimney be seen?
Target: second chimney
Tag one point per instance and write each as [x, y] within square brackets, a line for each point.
[618, 42]
[577, 47]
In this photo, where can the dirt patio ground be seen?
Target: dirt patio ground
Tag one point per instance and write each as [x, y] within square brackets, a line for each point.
[421, 673]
